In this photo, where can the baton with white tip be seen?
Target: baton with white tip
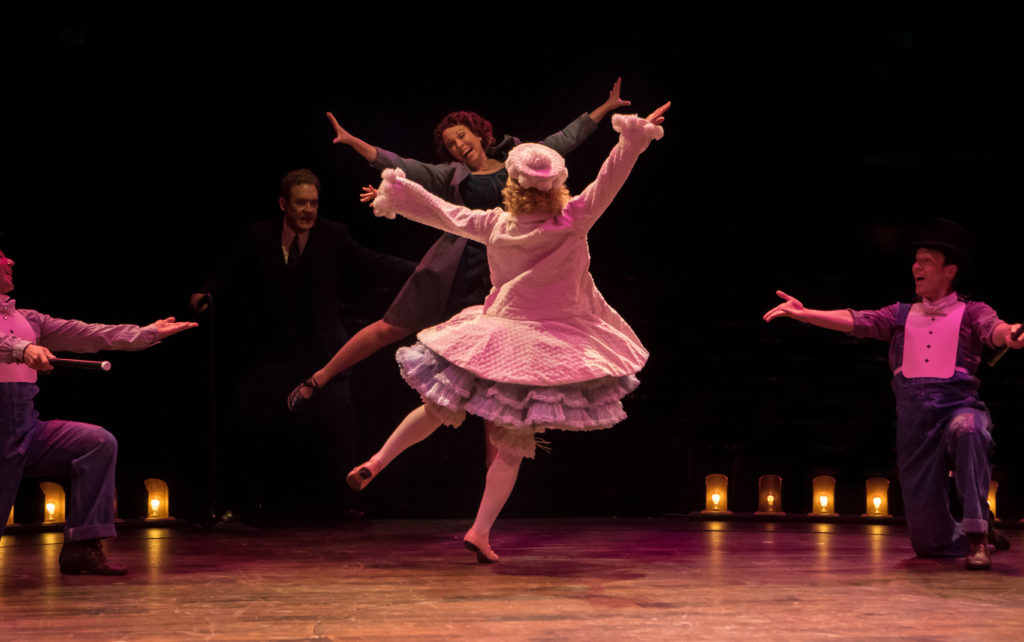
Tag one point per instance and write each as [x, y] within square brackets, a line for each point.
[82, 364]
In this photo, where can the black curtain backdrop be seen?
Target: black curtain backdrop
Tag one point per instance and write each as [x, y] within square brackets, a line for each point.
[799, 152]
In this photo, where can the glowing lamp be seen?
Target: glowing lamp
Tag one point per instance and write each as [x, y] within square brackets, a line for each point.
[993, 486]
[769, 495]
[823, 496]
[157, 505]
[53, 502]
[877, 498]
[10, 518]
[716, 494]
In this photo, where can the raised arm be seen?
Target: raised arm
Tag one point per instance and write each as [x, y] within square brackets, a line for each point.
[569, 138]
[614, 102]
[635, 134]
[841, 320]
[342, 137]
[434, 176]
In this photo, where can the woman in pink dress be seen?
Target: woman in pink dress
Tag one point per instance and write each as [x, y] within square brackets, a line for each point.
[544, 351]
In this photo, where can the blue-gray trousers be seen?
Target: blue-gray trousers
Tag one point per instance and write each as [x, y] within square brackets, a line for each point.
[33, 448]
[942, 426]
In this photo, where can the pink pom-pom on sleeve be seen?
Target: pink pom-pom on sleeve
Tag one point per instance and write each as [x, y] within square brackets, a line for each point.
[629, 123]
[382, 205]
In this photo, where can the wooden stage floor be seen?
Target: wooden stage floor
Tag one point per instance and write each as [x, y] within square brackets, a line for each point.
[559, 579]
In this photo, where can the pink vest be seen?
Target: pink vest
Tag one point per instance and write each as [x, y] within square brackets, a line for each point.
[12, 322]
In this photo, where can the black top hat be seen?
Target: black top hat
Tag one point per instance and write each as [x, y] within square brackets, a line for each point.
[948, 237]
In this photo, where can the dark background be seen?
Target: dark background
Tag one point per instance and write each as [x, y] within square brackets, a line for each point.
[799, 152]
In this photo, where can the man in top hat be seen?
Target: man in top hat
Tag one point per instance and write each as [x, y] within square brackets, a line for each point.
[935, 347]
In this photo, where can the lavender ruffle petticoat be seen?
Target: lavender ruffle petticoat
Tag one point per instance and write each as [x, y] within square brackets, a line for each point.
[519, 411]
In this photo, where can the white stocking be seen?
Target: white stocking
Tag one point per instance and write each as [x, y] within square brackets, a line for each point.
[501, 478]
[417, 426]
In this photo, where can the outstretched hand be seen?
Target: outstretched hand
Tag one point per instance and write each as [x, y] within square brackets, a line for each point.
[341, 137]
[615, 100]
[790, 308]
[368, 194]
[657, 116]
[167, 327]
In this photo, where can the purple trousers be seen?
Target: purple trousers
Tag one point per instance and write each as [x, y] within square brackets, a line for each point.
[85, 453]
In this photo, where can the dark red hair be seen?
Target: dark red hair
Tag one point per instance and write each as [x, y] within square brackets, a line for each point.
[472, 120]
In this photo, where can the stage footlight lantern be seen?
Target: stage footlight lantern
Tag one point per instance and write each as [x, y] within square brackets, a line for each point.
[824, 496]
[716, 490]
[53, 502]
[877, 497]
[157, 507]
[993, 486]
[769, 495]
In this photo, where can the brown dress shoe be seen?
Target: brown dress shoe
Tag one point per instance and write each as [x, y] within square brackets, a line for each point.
[978, 558]
[87, 558]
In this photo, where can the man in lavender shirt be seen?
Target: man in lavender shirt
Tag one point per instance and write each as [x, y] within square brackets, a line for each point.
[31, 447]
[935, 347]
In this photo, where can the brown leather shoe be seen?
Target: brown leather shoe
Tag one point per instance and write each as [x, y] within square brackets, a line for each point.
[978, 558]
[87, 558]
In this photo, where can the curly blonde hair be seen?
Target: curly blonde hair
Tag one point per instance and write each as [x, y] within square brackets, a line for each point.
[527, 200]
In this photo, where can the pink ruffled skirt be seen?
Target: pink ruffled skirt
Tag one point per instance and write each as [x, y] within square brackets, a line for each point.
[518, 411]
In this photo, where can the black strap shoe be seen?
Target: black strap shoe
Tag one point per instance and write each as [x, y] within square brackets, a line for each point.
[298, 401]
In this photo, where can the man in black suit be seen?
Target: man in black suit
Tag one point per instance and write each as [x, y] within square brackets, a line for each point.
[279, 301]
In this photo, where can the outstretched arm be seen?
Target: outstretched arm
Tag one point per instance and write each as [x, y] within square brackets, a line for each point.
[841, 320]
[77, 336]
[342, 137]
[81, 337]
[399, 195]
